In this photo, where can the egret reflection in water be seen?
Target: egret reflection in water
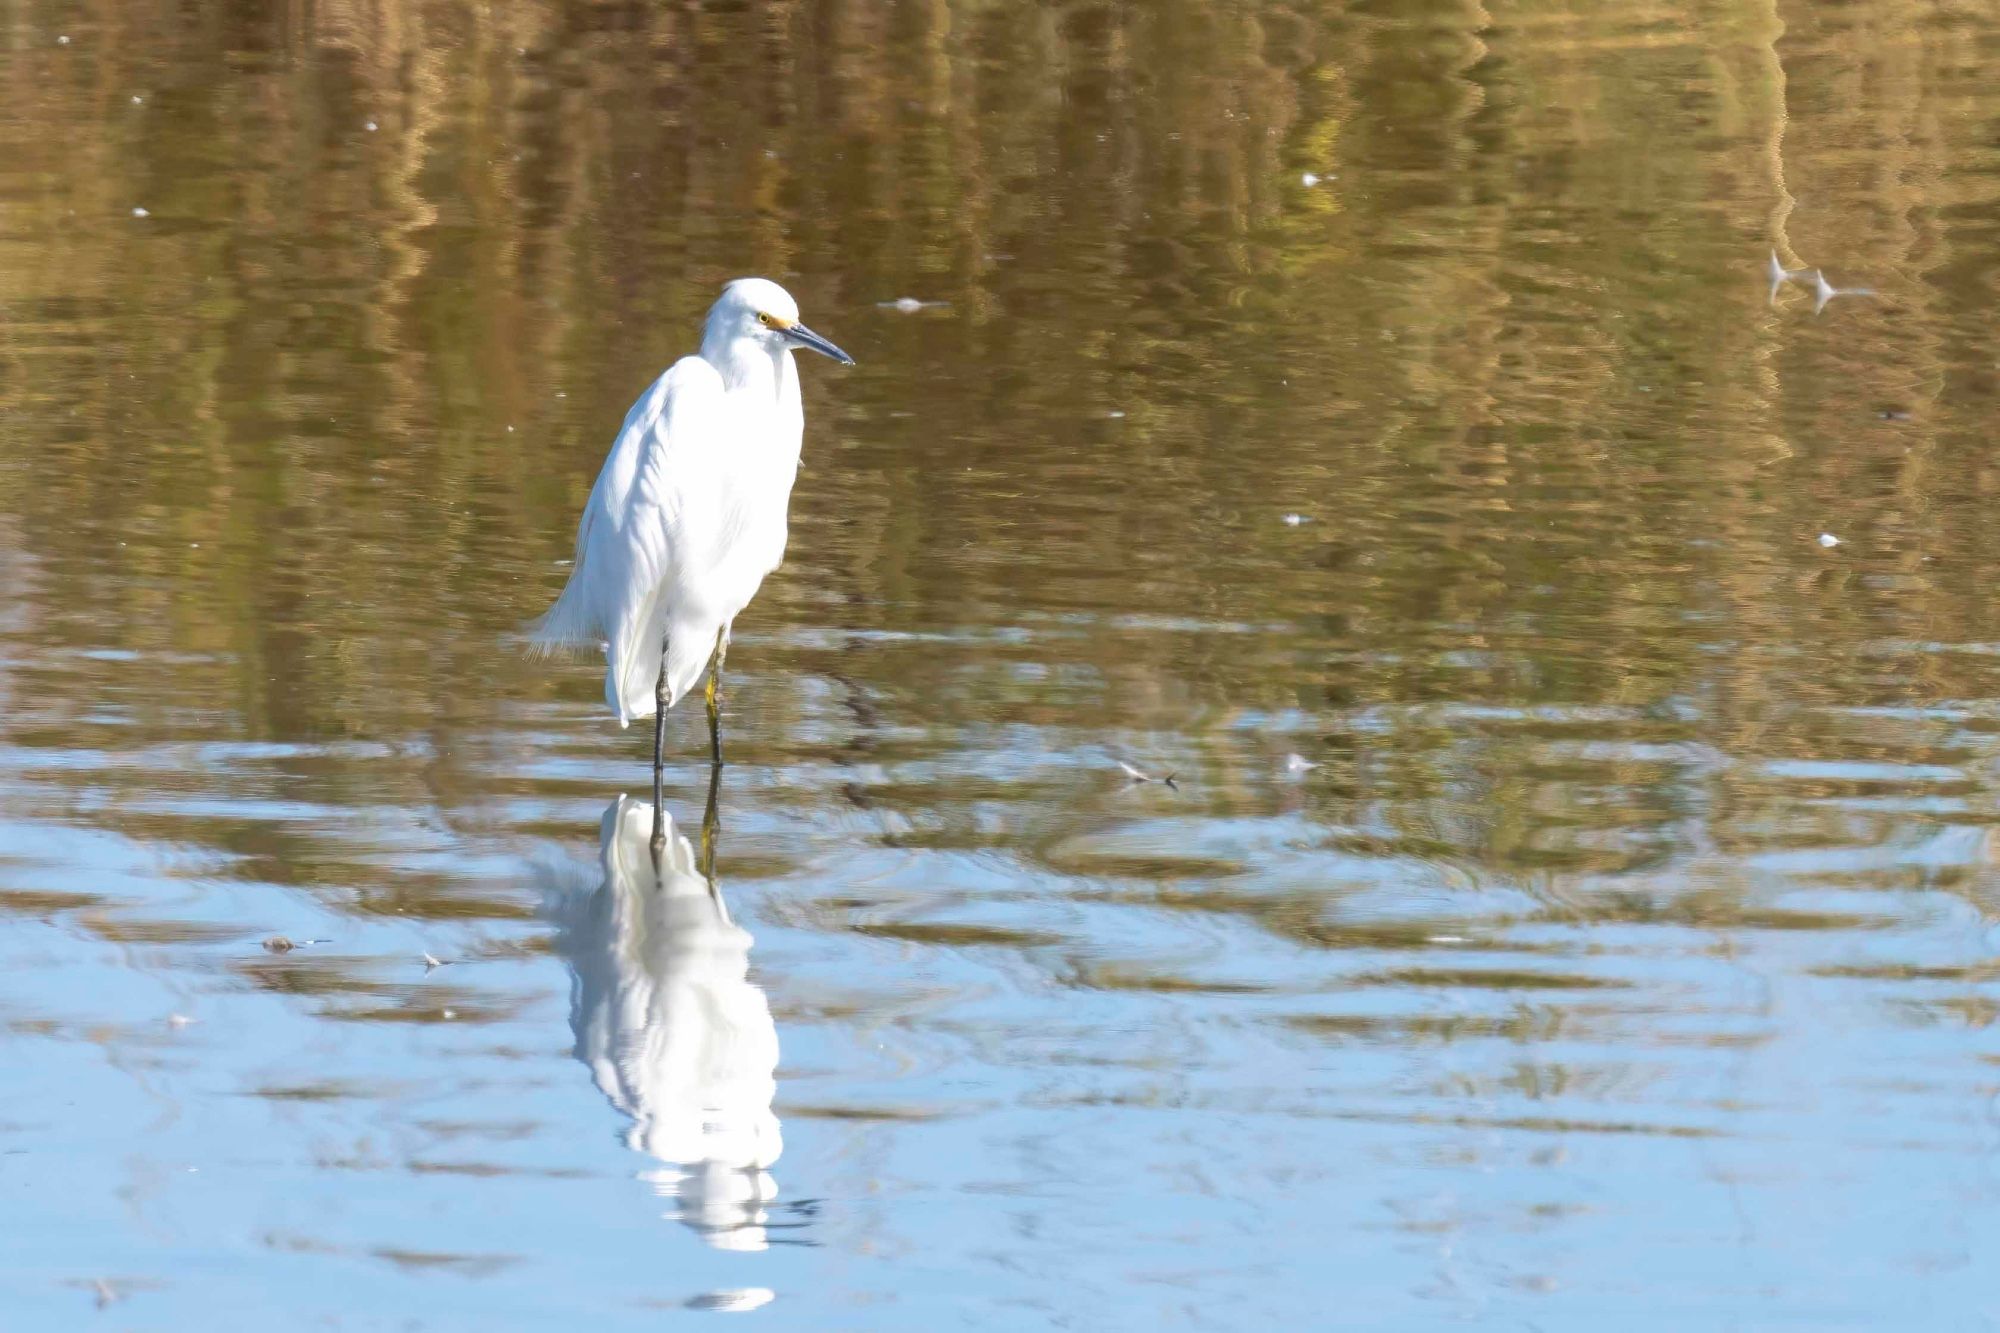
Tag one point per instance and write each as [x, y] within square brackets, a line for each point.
[672, 1029]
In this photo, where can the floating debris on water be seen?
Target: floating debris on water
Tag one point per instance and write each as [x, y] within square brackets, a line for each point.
[180, 1020]
[1780, 275]
[431, 962]
[372, 127]
[1828, 540]
[1298, 763]
[1293, 520]
[1140, 775]
[910, 305]
[1309, 179]
[279, 944]
[140, 213]
[732, 1300]
[1824, 291]
[63, 40]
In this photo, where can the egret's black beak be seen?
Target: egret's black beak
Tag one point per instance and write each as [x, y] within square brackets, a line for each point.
[805, 337]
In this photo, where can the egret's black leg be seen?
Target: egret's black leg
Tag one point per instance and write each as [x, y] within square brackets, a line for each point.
[715, 698]
[660, 756]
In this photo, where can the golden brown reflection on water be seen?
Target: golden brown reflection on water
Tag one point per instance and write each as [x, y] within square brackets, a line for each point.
[1396, 386]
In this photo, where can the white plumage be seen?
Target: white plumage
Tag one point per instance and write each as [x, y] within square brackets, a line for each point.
[688, 515]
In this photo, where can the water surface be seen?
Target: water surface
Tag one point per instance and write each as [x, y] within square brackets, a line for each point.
[1394, 386]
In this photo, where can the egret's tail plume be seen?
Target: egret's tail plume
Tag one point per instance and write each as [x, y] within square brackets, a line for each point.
[631, 637]
[632, 675]
[567, 624]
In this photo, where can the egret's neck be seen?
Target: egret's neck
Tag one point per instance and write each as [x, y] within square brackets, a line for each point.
[750, 364]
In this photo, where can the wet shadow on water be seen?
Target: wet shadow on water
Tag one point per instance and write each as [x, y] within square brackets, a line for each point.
[674, 1033]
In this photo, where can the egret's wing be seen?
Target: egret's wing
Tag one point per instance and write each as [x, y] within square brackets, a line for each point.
[626, 543]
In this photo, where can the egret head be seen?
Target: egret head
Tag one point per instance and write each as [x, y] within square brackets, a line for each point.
[765, 313]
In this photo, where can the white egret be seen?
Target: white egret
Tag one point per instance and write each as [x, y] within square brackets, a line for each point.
[688, 515]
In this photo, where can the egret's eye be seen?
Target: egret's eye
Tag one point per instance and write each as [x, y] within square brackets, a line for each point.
[764, 318]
